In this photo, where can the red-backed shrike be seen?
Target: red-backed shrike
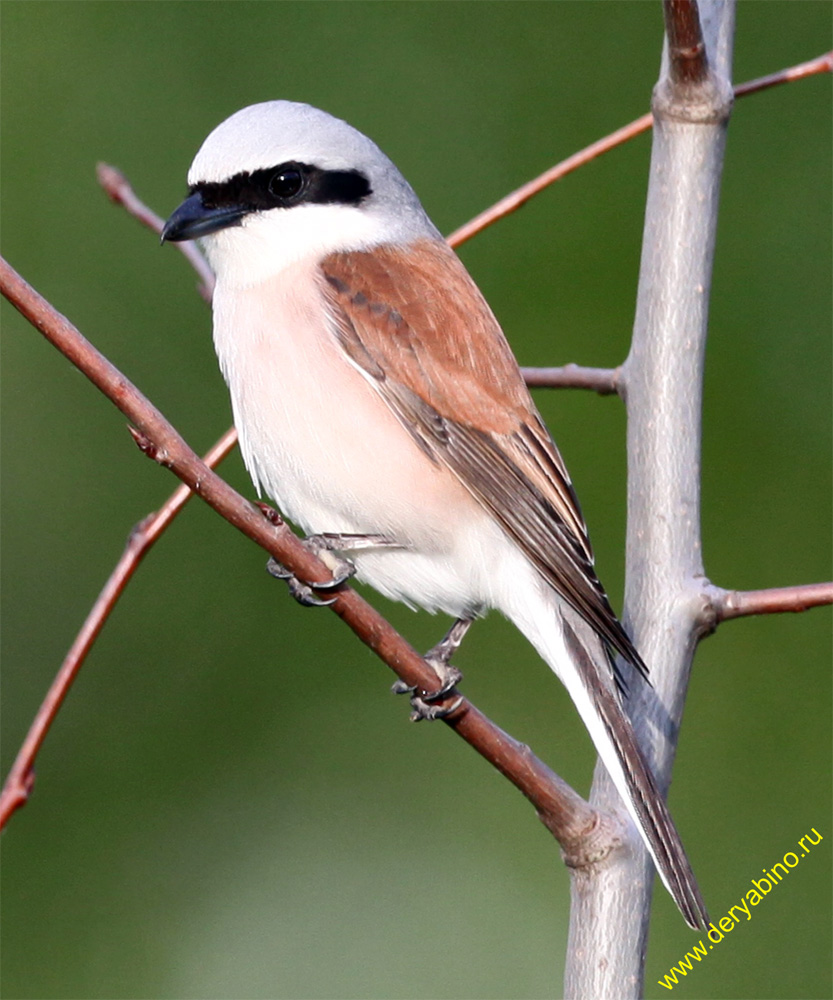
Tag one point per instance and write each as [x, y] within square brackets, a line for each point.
[375, 395]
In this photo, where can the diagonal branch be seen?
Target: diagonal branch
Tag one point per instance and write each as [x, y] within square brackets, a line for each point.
[574, 823]
[513, 201]
[19, 783]
[118, 189]
[821, 64]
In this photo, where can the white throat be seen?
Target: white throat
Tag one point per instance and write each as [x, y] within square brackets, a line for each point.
[267, 243]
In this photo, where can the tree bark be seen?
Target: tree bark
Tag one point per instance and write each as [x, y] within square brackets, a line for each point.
[666, 607]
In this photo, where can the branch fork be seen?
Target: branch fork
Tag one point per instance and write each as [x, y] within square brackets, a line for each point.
[605, 836]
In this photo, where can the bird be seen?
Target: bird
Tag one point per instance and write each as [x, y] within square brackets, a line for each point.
[380, 407]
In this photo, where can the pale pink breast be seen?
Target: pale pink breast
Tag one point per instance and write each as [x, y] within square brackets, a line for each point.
[314, 433]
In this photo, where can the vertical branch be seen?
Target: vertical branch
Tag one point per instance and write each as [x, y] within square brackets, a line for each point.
[686, 48]
[662, 386]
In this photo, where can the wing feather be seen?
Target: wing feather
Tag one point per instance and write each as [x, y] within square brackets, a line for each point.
[464, 401]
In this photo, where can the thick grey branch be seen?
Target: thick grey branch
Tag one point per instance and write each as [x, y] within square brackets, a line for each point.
[661, 382]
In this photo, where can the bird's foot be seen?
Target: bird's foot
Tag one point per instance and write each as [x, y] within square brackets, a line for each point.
[325, 547]
[423, 705]
[423, 708]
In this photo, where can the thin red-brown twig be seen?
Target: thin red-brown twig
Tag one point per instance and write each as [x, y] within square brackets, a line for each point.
[513, 201]
[821, 64]
[19, 783]
[687, 58]
[563, 811]
[117, 187]
[739, 603]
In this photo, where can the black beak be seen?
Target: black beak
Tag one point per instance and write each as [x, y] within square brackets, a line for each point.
[192, 219]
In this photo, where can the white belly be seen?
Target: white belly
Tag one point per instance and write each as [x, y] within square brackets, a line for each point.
[320, 441]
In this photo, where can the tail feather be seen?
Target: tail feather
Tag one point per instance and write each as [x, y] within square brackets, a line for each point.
[640, 792]
[591, 686]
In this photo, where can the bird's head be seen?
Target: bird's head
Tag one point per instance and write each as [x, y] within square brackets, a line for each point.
[281, 182]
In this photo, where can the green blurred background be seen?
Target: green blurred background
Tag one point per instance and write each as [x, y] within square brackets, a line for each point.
[231, 804]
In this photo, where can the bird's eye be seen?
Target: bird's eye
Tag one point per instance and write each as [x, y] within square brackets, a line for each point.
[286, 183]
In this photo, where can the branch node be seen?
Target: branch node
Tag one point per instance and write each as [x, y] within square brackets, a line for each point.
[689, 91]
[139, 530]
[150, 448]
[706, 103]
[705, 607]
[595, 843]
[270, 514]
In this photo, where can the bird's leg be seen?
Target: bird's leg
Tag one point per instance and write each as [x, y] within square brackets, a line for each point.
[325, 547]
[438, 657]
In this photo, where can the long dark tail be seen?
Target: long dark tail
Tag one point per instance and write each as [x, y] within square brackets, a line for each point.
[574, 651]
[636, 784]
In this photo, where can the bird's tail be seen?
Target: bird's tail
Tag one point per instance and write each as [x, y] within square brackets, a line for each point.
[589, 682]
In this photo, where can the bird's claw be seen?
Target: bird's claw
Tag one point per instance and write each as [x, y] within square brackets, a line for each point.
[306, 596]
[423, 711]
[304, 591]
[325, 547]
[422, 705]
